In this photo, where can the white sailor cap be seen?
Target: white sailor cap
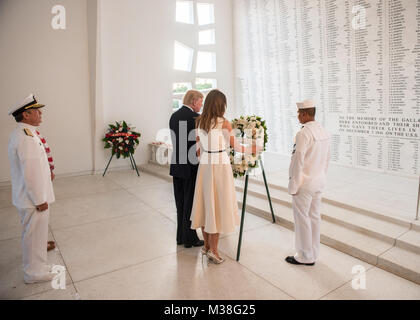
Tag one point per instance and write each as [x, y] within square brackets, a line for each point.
[29, 103]
[306, 104]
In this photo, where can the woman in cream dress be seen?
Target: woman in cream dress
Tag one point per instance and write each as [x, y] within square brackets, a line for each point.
[215, 208]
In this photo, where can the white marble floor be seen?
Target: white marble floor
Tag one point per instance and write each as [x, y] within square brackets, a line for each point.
[116, 237]
[389, 194]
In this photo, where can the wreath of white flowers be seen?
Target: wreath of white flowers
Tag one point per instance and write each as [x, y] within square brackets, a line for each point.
[247, 129]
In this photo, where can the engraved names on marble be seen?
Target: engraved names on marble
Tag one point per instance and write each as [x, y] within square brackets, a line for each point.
[358, 59]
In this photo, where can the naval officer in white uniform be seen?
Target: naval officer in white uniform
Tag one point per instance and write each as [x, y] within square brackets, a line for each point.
[32, 189]
[307, 175]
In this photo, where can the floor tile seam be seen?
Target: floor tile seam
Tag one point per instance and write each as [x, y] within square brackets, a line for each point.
[87, 194]
[371, 267]
[157, 208]
[128, 266]
[382, 268]
[160, 175]
[62, 257]
[333, 290]
[385, 251]
[43, 291]
[165, 216]
[253, 272]
[257, 275]
[157, 173]
[87, 223]
[253, 228]
[134, 213]
[268, 281]
[51, 289]
[265, 280]
[72, 197]
[230, 235]
[153, 184]
[405, 232]
[134, 194]
[93, 175]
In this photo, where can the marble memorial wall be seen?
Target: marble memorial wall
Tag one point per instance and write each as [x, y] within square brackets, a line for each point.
[358, 59]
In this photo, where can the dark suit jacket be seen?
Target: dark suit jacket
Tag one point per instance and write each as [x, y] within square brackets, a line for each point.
[184, 162]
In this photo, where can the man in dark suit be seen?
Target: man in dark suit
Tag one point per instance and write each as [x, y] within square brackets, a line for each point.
[184, 165]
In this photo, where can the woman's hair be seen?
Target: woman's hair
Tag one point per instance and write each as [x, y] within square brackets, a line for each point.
[190, 96]
[214, 107]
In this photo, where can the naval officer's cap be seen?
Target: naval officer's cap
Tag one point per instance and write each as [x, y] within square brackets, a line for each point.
[29, 103]
[306, 104]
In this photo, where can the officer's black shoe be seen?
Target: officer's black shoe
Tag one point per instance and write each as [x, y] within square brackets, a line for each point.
[292, 260]
[198, 243]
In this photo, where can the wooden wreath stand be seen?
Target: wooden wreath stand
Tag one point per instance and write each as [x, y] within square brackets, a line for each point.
[132, 161]
[244, 205]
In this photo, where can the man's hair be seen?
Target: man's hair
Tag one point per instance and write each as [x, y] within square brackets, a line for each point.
[190, 96]
[19, 117]
[309, 111]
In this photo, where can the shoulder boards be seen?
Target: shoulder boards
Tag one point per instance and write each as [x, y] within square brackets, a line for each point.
[28, 132]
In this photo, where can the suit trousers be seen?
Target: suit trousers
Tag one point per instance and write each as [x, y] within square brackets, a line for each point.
[34, 242]
[306, 211]
[184, 196]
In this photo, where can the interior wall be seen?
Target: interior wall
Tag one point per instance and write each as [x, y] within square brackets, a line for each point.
[53, 64]
[137, 51]
[114, 61]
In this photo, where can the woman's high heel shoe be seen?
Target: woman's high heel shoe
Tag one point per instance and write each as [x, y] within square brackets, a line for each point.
[213, 258]
[204, 251]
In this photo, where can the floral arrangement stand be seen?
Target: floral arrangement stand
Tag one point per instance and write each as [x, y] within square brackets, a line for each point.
[132, 161]
[249, 128]
[238, 253]
[123, 141]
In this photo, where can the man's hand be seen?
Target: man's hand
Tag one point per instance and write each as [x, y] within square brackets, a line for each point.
[52, 175]
[42, 207]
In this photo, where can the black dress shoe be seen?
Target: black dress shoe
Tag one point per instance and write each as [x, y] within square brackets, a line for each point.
[292, 260]
[198, 243]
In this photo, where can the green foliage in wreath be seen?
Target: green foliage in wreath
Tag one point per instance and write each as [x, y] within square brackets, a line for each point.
[247, 128]
[121, 139]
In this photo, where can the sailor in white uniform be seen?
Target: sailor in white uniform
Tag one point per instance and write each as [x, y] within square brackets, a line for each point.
[307, 175]
[32, 189]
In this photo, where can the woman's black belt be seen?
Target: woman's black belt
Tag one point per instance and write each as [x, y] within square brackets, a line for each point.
[219, 151]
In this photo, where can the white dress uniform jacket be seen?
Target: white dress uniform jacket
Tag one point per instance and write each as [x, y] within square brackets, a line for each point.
[310, 159]
[30, 171]
[31, 186]
[307, 175]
